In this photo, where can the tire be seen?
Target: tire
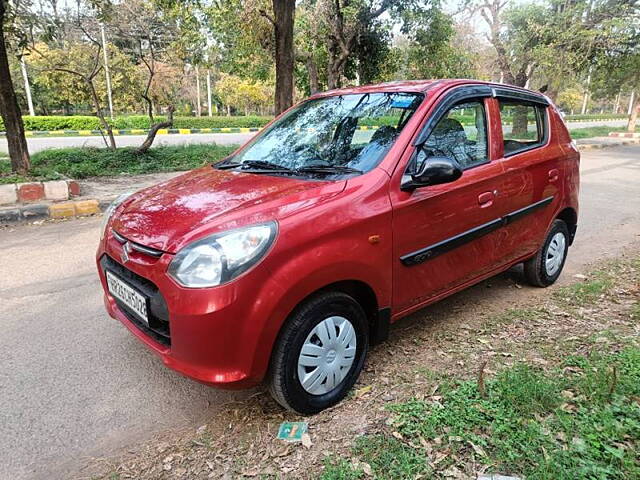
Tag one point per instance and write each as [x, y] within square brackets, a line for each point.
[542, 270]
[310, 327]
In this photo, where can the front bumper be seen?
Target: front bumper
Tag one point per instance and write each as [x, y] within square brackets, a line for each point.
[208, 334]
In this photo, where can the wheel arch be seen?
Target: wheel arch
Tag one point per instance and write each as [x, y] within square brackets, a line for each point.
[570, 217]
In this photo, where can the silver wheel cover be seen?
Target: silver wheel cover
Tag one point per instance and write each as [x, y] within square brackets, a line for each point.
[555, 254]
[327, 355]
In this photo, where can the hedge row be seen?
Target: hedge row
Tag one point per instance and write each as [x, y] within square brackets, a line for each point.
[81, 122]
[595, 116]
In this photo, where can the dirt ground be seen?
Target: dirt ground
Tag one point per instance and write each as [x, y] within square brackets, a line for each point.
[499, 322]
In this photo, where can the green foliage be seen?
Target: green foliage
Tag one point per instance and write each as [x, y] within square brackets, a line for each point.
[57, 89]
[431, 52]
[590, 132]
[340, 470]
[537, 425]
[79, 122]
[88, 162]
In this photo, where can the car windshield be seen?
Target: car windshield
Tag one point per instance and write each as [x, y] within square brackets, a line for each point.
[342, 134]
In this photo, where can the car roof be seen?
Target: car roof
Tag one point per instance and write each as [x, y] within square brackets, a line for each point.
[418, 86]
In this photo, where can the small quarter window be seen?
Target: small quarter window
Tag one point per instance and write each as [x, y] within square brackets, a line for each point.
[523, 125]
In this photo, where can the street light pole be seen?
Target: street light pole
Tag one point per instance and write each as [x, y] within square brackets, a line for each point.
[106, 69]
[27, 87]
[198, 106]
[209, 92]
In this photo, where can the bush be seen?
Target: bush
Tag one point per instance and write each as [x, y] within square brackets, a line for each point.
[82, 122]
[90, 162]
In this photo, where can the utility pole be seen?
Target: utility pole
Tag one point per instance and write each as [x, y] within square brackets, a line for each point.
[27, 87]
[585, 98]
[631, 100]
[209, 92]
[198, 106]
[106, 69]
[617, 104]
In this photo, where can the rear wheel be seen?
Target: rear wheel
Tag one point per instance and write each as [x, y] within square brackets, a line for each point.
[319, 354]
[545, 267]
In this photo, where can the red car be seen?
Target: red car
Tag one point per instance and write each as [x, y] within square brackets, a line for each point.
[351, 210]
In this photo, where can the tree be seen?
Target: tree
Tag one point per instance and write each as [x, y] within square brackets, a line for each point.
[570, 99]
[146, 34]
[430, 52]
[283, 20]
[9, 108]
[82, 62]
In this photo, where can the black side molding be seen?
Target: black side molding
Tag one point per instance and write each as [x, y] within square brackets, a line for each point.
[432, 251]
[513, 216]
[444, 246]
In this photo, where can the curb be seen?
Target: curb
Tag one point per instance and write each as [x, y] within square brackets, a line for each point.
[624, 135]
[597, 146]
[43, 211]
[32, 192]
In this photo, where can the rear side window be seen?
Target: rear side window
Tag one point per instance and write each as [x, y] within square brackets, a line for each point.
[524, 125]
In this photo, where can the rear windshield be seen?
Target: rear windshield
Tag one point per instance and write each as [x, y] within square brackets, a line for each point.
[354, 131]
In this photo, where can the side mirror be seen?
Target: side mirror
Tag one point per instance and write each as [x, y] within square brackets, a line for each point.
[434, 171]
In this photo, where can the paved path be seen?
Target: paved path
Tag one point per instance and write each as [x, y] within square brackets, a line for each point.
[74, 383]
[37, 144]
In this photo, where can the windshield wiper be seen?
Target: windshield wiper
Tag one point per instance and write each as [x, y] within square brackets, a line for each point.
[254, 165]
[263, 165]
[328, 169]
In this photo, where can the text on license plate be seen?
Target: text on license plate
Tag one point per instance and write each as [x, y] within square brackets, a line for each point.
[128, 295]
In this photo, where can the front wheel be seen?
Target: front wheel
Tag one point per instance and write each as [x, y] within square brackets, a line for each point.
[319, 353]
[545, 267]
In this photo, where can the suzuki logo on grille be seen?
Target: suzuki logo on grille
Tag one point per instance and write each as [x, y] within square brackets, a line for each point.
[126, 250]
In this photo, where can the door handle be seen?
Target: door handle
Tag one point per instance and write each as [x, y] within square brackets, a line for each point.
[486, 199]
[554, 174]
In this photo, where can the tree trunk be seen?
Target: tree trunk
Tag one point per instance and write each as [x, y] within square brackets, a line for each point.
[633, 118]
[284, 11]
[151, 136]
[111, 145]
[312, 70]
[520, 121]
[10, 111]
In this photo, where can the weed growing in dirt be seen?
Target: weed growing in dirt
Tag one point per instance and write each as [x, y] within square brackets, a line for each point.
[581, 420]
[587, 292]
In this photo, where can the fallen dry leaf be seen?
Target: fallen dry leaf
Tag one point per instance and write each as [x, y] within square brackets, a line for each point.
[306, 440]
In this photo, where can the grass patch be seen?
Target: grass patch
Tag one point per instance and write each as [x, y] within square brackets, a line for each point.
[601, 131]
[94, 162]
[580, 420]
[588, 291]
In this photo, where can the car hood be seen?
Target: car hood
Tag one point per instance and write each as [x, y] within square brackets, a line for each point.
[171, 214]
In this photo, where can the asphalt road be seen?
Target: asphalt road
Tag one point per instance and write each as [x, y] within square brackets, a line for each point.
[37, 144]
[74, 383]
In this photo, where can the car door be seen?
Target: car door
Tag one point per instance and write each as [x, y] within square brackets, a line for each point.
[448, 235]
[532, 166]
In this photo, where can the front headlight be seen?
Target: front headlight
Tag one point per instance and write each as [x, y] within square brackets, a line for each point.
[110, 209]
[220, 258]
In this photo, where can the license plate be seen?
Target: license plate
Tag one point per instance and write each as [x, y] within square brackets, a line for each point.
[128, 295]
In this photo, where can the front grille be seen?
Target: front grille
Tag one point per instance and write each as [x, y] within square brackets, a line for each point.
[137, 247]
[158, 313]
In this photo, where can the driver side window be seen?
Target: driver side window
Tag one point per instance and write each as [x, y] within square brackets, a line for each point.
[461, 134]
